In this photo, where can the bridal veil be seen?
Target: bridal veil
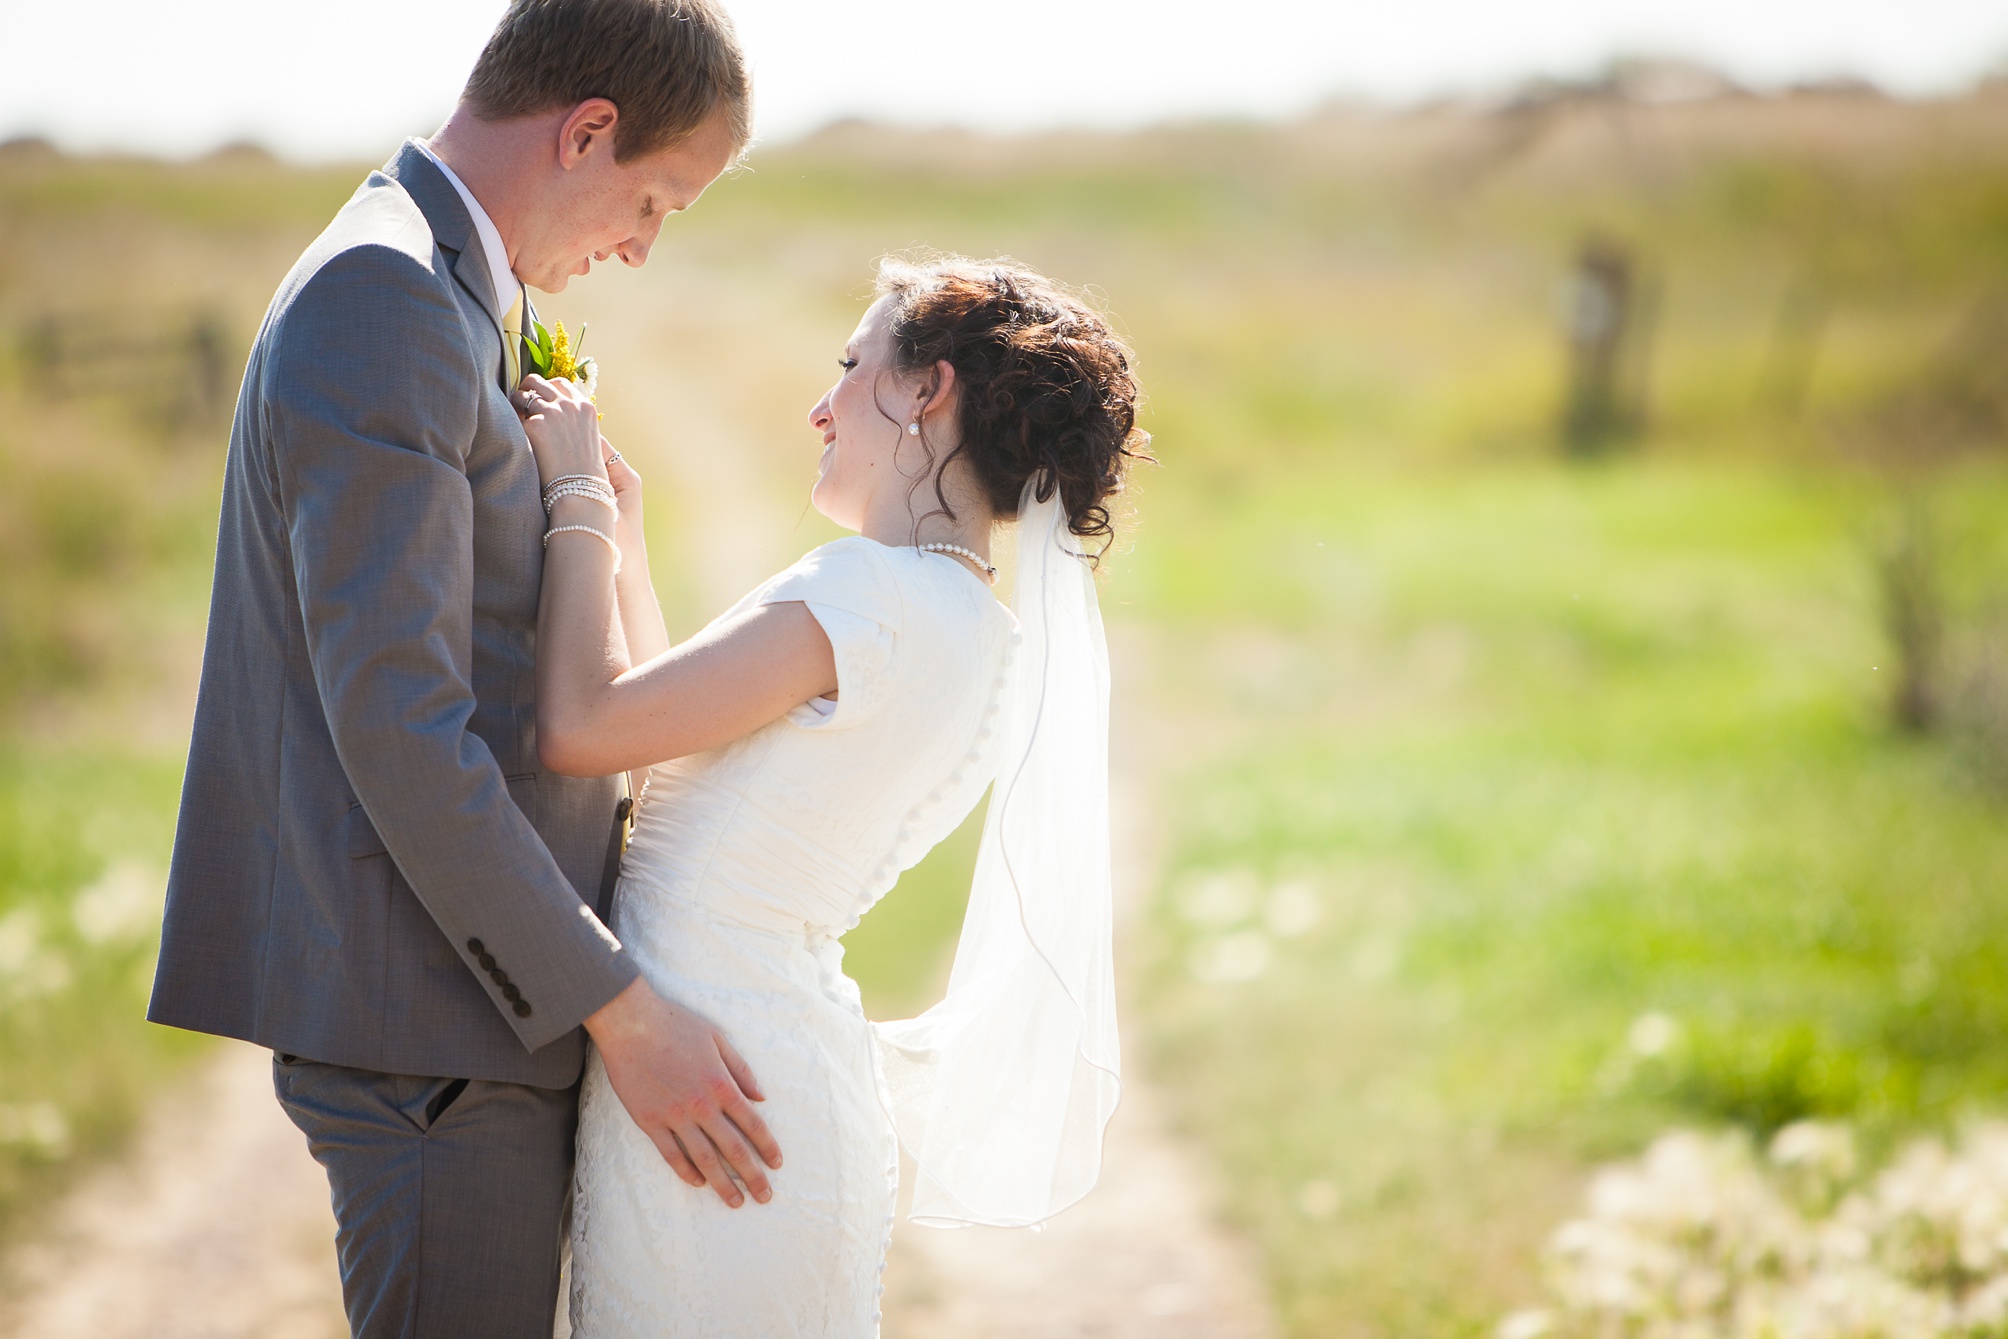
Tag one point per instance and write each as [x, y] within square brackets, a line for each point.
[1001, 1092]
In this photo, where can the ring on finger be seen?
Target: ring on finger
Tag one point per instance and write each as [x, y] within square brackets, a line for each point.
[613, 457]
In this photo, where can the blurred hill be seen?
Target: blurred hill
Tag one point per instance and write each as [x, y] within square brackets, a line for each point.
[1816, 252]
[1660, 116]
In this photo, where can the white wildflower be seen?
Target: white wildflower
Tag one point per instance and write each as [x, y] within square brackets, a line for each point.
[1652, 1035]
[124, 904]
[37, 1126]
[1816, 1159]
[29, 967]
[1986, 1308]
[1317, 1199]
[1293, 909]
[1220, 899]
[1698, 1238]
[1820, 1146]
[1526, 1325]
[20, 936]
[1241, 956]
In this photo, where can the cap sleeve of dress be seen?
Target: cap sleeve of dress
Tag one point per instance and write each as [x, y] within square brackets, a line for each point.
[850, 589]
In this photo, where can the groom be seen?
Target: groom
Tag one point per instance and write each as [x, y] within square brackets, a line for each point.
[373, 875]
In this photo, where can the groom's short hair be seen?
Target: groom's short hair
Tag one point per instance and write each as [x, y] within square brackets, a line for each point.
[666, 64]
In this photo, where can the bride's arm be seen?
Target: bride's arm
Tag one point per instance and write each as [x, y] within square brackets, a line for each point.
[719, 686]
[640, 610]
[597, 711]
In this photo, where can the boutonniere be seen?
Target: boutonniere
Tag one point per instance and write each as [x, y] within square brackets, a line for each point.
[552, 354]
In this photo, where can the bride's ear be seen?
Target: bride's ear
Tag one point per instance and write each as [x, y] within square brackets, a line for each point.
[940, 388]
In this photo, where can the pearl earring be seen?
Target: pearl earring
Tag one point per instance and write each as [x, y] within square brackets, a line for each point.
[913, 428]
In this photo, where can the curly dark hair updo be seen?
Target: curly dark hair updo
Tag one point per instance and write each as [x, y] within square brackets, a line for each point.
[1044, 386]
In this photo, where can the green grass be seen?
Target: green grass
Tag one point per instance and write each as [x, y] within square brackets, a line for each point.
[84, 837]
[899, 954]
[1552, 752]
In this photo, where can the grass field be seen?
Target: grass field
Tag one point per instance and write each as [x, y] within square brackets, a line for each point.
[1518, 808]
[1551, 807]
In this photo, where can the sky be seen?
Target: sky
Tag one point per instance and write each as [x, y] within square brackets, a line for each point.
[321, 81]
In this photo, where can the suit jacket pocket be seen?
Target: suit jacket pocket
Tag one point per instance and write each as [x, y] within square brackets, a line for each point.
[362, 836]
[523, 790]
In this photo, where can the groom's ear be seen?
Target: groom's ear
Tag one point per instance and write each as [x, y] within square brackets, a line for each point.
[587, 129]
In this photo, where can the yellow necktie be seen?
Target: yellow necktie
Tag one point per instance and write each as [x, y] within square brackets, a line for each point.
[512, 341]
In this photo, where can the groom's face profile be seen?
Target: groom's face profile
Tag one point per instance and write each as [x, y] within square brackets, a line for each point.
[594, 207]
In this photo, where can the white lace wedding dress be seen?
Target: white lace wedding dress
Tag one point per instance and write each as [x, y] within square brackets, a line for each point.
[747, 864]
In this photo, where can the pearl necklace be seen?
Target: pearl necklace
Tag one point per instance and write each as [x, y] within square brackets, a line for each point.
[989, 572]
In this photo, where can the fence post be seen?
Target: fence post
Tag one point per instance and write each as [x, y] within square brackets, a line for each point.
[42, 354]
[1913, 600]
[1602, 322]
[205, 348]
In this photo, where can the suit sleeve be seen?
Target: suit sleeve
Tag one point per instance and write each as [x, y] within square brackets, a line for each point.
[373, 402]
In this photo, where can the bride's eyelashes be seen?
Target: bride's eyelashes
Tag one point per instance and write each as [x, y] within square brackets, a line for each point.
[847, 363]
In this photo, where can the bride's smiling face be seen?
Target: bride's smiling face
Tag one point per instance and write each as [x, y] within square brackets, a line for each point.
[863, 421]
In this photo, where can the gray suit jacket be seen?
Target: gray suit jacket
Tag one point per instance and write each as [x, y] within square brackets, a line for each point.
[371, 868]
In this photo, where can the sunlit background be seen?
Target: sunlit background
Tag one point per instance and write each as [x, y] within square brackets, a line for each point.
[326, 82]
[1562, 654]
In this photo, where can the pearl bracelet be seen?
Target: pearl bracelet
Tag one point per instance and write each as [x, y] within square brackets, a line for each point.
[589, 481]
[601, 494]
[600, 535]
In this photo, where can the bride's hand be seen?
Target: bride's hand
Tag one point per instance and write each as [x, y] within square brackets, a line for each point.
[621, 474]
[563, 428]
[627, 520]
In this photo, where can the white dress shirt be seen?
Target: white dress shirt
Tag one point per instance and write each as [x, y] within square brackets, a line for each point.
[507, 288]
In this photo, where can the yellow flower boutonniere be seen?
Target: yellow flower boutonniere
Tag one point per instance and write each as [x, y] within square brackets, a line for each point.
[551, 353]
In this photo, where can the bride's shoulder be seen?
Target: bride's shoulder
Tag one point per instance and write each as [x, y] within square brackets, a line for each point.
[852, 562]
[851, 553]
[853, 574]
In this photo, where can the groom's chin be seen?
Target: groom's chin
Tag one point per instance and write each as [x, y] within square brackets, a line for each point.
[553, 276]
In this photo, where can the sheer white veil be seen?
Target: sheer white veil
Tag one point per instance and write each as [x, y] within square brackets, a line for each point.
[1002, 1091]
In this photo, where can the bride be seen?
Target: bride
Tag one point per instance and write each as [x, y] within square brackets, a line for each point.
[810, 744]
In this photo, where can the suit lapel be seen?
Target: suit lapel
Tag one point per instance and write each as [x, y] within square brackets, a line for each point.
[470, 267]
[452, 229]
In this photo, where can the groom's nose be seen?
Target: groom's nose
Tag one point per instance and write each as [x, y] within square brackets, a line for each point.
[634, 251]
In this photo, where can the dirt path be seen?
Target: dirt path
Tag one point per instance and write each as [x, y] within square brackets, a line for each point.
[215, 1226]
[1143, 1255]
[1140, 1257]
[1137, 1259]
